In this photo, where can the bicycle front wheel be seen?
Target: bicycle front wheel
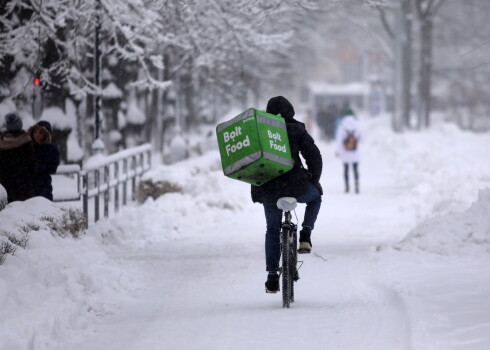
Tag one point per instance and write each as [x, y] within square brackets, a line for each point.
[286, 267]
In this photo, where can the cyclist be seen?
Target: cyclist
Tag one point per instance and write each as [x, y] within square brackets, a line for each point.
[300, 182]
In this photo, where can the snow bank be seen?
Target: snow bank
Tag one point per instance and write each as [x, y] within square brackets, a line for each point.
[442, 167]
[450, 233]
[207, 196]
[54, 285]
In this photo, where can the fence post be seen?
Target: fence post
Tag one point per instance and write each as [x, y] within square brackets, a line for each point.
[85, 196]
[97, 185]
[106, 192]
[125, 183]
[116, 189]
[133, 179]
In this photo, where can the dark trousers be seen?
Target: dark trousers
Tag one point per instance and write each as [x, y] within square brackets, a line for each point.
[273, 218]
[346, 174]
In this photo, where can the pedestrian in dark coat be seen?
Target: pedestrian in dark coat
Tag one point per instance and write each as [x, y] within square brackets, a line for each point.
[47, 156]
[300, 182]
[17, 161]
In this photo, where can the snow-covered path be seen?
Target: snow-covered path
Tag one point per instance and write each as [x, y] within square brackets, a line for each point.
[206, 290]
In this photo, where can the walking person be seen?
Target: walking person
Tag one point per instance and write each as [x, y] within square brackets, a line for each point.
[348, 137]
[47, 157]
[300, 182]
[17, 161]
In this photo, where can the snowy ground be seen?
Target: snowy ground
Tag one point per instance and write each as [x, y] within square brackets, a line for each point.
[403, 265]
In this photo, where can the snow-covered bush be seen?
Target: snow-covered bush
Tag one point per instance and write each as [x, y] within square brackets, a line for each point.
[6, 248]
[148, 188]
[72, 223]
[65, 223]
[18, 238]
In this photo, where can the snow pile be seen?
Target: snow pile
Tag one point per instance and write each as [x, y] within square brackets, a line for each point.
[55, 284]
[443, 167]
[202, 179]
[447, 234]
[207, 196]
[177, 150]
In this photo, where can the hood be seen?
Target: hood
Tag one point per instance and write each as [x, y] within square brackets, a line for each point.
[45, 133]
[349, 122]
[280, 105]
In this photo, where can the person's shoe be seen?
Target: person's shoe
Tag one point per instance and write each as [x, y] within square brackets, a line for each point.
[272, 283]
[347, 189]
[305, 240]
[357, 186]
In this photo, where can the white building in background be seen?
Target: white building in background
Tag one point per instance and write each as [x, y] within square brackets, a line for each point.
[367, 97]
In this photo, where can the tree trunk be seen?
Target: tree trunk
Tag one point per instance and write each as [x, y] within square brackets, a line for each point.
[425, 74]
[407, 62]
[401, 113]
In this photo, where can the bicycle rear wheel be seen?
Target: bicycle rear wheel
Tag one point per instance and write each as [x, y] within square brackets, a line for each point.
[286, 267]
[293, 259]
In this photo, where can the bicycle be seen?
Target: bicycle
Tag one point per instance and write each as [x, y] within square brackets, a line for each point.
[289, 250]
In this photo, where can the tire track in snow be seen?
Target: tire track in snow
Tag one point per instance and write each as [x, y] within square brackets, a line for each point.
[379, 315]
[391, 325]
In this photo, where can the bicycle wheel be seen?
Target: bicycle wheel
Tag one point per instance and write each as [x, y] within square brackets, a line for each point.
[293, 251]
[286, 268]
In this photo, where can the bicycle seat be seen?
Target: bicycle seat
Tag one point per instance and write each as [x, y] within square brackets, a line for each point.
[287, 203]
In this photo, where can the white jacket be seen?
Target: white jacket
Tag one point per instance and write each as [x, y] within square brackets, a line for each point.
[347, 125]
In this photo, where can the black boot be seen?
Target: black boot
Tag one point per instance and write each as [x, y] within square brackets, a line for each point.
[305, 240]
[357, 186]
[272, 283]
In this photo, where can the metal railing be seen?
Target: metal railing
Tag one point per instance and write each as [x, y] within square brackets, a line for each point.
[104, 177]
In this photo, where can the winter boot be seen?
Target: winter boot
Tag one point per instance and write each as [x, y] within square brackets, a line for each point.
[346, 187]
[272, 283]
[305, 240]
[357, 186]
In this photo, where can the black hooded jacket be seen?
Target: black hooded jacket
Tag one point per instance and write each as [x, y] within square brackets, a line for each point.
[294, 183]
[17, 165]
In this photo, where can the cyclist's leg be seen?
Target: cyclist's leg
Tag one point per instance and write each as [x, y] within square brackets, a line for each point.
[313, 201]
[273, 218]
